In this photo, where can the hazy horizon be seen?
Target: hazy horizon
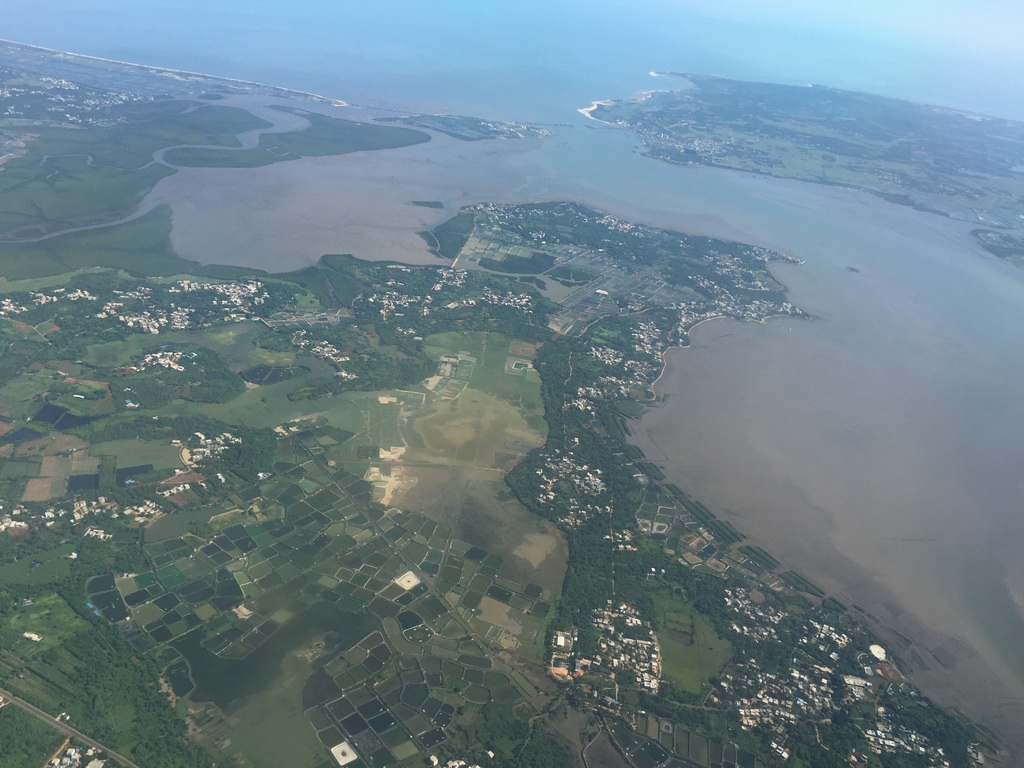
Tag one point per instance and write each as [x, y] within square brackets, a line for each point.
[948, 53]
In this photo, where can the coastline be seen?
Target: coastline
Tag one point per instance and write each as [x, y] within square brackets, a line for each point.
[664, 352]
[974, 683]
[585, 111]
[177, 72]
[687, 345]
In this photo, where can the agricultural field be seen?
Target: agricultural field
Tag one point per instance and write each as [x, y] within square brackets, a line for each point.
[687, 745]
[127, 453]
[18, 397]
[397, 618]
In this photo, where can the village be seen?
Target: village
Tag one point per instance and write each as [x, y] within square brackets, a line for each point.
[22, 517]
[627, 645]
[562, 475]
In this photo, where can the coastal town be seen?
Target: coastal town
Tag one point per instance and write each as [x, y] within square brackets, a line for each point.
[608, 265]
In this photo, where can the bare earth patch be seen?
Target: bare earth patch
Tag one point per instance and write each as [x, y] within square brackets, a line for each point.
[536, 548]
[496, 613]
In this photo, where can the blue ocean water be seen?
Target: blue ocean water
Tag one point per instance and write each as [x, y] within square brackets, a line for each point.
[530, 60]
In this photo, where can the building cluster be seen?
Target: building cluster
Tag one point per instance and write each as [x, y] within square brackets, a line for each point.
[146, 320]
[824, 638]
[435, 761]
[888, 737]
[623, 540]
[778, 700]
[662, 143]
[235, 300]
[563, 477]
[162, 359]
[809, 688]
[755, 620]
[449, 278]
[713, 293]
[77, 757]
[633, 377]
[174, 490]
[606, 355]
[613, 222]
[721, 303]
[20, 518]
[325, 351]
[9, 306]
[523, 301]
[211, 447]
[389, 302]
[628, 644]
[144, 512]
[240, 295]
[61, 100]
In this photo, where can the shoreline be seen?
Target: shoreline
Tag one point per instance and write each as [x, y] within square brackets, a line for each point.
[168, 70]
[585, 111]
[687, 345]
[960, 686]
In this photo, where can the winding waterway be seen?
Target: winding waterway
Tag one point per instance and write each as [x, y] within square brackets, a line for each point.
[876, 448]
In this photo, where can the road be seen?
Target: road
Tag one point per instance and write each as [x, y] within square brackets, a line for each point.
[10, 698]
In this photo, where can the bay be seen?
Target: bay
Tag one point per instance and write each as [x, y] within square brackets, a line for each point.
[876, 449]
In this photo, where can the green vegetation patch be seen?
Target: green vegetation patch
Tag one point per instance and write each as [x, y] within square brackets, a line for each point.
[691, 652]
[324, 136]
[141, 246]
[47, 567]
[26, 740]
[29, 629]
[128, 453]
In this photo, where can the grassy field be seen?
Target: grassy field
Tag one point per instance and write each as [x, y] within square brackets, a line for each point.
[96, 403]
[490, 373]
[49, 617]
[16, 397]
[113, 354]
[233, 340]
[236, 342]
[475, 429]
[130, 453]
[42, 283]
[691, 652]
[68, 191]
[52, 567]
[268, 405]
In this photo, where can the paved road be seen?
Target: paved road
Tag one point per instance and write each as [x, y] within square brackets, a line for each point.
[65, 728]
